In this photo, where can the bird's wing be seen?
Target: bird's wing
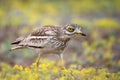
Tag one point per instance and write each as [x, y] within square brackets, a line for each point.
[35, 41]
[45, 31]
[39, 38]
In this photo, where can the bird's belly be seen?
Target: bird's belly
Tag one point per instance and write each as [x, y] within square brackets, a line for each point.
[50, 51]
[54, 46]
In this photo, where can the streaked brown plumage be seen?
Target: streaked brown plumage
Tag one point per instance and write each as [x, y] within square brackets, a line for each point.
[49, 39]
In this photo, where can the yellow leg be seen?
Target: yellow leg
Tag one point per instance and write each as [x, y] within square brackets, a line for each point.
[62, 61]
[38, 60]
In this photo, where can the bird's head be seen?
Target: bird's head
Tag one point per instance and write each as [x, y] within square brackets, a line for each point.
[72, 29]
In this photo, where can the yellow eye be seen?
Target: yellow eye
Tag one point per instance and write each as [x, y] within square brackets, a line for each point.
[71, 29]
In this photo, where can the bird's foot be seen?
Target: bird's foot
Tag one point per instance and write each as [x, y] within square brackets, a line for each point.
[62, 68]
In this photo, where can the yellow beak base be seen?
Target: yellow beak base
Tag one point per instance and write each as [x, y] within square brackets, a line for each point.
[80, 32]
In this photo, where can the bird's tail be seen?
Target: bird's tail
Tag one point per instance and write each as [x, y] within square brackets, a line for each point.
[18, 40]
[17, 47]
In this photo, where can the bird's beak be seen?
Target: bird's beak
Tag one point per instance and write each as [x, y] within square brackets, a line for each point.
[80, 32]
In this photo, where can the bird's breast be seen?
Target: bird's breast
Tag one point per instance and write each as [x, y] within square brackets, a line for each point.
[58, 43]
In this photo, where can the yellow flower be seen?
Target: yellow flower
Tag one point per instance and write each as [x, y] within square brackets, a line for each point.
[55, 70]
[62, 78]
[27, 69]
[20, 68]
[16, 67]
[43, 67]
[17, 76]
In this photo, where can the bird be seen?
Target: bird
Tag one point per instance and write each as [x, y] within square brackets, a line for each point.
[49, 39]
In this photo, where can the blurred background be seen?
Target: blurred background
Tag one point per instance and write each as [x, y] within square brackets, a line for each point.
[100, 20]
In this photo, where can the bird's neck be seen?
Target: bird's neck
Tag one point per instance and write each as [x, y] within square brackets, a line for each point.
[63, 35]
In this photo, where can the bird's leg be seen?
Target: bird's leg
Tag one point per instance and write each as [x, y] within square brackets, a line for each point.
[62, 60]
[38, 60]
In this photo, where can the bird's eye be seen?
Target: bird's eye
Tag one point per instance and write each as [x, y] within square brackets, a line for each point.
[71, 29]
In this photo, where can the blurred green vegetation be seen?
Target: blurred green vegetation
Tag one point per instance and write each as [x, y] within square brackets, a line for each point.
[100, 19]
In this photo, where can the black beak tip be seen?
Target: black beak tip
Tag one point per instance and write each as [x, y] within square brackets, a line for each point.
[83, 34]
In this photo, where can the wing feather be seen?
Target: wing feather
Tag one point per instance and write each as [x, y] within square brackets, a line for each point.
[36, 41]
[45, 31]
[40, 37]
